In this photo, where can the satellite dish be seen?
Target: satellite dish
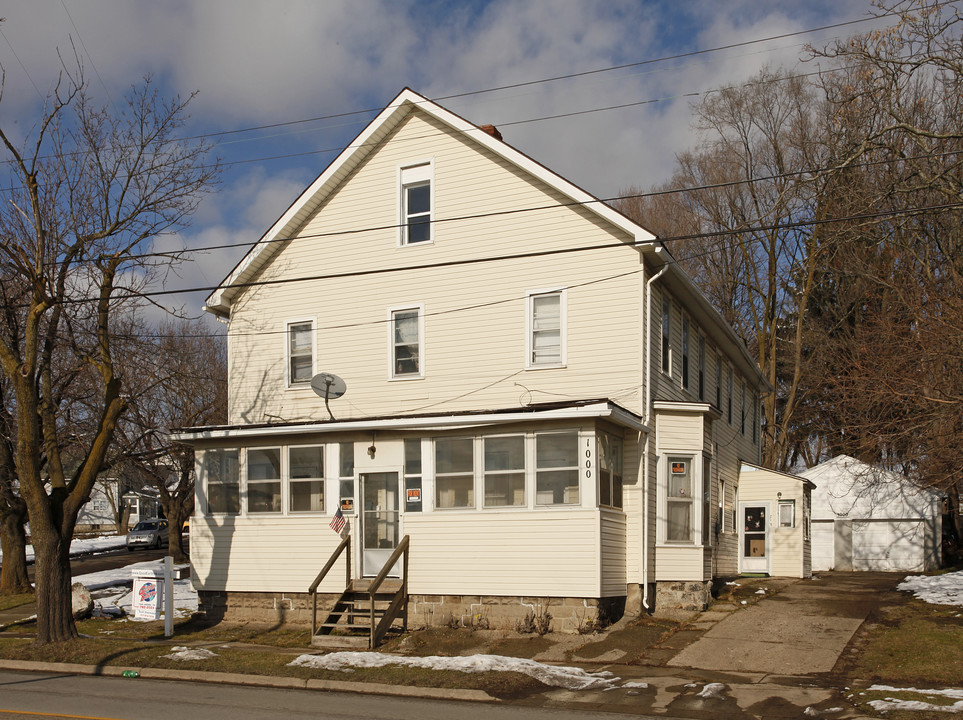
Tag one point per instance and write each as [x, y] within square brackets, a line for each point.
[328, 386]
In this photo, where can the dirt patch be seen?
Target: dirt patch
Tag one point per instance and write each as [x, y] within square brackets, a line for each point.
[636, 639]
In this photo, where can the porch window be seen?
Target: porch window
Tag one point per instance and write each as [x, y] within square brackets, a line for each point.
[610, 469]
[306, 479]
[454, 473]
[346, 476]
[504, 471]
[556, 468]
[264, 480]
[221, 467]
[679, 501]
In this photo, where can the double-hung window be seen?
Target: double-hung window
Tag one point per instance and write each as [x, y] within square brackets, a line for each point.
[702, 368]
[454, 473]
[346, 476]
[685, 352]
[719, 382]
[223, 481]
[504, 470]
[546, 329]
[666, 336]
[306, 478]
[556, 468]
[742, 408]
[610, 469]
[407, 330]
[300, 352]
[679, 506]
[416, 204]
[264, 480]
[729, 394]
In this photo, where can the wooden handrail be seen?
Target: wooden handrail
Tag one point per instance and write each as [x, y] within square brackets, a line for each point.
[345, 544]
[402, 549]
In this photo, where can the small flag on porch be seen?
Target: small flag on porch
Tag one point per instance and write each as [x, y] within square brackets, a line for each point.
[337, 522]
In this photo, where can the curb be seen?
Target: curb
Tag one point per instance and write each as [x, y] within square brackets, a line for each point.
[253, 680]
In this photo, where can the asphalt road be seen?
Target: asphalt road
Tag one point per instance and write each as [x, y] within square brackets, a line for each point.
[28, 695]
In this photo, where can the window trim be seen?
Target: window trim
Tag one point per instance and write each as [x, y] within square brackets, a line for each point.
[411, 174]
[287, 480]
[420, 309]
[696, 501]
[246, 473]
[288, 324]
[530, 296]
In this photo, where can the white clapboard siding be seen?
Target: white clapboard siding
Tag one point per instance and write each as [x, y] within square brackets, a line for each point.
[823, 545]
[680, 563]
[551, 554]
[475, 315]
[678, 431]
[613, 529]
[889, 545]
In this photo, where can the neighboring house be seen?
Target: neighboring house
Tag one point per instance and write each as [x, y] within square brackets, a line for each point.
[537, 395]
[98, 512]
[775, 523]
[870, 519]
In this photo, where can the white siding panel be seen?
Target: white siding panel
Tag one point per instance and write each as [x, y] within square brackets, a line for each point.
[679, 563]
[888, 545]
[613, 553]
[475, 314]
[550, 554]
[823, 547]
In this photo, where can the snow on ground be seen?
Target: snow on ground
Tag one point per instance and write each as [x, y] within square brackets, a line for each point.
[87, 546]
[892, 703]
[112, 590]
[569, 678]
[946, 589]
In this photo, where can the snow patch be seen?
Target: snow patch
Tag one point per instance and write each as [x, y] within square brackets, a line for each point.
[713, 690]
[892, 703]
[946, 589]
[570, 678]
[186, 653]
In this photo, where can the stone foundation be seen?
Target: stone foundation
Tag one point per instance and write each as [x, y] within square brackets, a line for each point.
[689, 596]
[480, 612]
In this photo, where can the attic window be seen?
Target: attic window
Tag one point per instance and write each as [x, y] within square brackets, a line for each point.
[416, 204]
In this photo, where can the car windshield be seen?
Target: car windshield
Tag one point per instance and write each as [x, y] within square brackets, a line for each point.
[145, 526]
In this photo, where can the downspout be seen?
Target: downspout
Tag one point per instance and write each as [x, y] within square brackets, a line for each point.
[648, 434]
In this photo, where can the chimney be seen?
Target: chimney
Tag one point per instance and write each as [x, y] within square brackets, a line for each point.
[491, 130]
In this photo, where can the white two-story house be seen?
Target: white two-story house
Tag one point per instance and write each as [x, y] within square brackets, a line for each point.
[537, 395]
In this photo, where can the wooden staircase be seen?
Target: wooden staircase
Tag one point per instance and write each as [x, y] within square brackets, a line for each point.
[367, 609]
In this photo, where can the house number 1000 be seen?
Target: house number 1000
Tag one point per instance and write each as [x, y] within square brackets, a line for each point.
[588, 457]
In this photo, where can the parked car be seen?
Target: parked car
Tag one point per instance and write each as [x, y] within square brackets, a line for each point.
[147, 534]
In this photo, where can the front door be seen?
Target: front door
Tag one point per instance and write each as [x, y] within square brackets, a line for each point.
[380, 520]
[755, 538]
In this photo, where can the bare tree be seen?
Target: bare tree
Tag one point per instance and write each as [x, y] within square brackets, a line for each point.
[87, 189]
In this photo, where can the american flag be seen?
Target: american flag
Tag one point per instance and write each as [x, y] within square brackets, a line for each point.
[337, 522]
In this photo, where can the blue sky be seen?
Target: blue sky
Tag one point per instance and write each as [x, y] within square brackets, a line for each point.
[259, 63]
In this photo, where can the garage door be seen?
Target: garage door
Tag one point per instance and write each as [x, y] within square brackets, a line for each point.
[822, 546]
[886, 545]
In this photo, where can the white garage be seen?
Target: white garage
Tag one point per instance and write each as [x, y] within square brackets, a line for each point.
[868, 519]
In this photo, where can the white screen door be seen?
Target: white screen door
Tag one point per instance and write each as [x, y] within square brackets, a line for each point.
[380, 521]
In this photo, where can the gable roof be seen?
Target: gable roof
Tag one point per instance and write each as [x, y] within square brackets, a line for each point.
[369, 139]
[367, 142]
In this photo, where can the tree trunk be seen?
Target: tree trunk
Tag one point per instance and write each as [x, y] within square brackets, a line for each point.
[55, 621]
[13, 543]
[175, 520]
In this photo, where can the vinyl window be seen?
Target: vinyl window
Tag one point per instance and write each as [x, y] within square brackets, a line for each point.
[417, 200]
[610, 469]
[407, 331]
[556, 468]
[300, 352]
[264, 480]
[679, 505]
[666, 336]
[222, 469]
[685, 352]
[454, 473]
[504, 458]
[546, 329]
[346, 485]
[306, 479]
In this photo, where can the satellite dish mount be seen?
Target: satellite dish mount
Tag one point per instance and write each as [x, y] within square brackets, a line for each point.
[328, 386]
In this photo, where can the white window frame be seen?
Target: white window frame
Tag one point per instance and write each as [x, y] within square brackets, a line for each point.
[530, 330]
[473, 505]
[288, 481]
[577, 502]
[790, 507]
[420, 309]
[411, 174]
[280, 481]
[238, 481]
[288, 324]
[486, 472]
[696, 499]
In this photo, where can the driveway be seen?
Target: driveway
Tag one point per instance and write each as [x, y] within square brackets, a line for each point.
[802, 630]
